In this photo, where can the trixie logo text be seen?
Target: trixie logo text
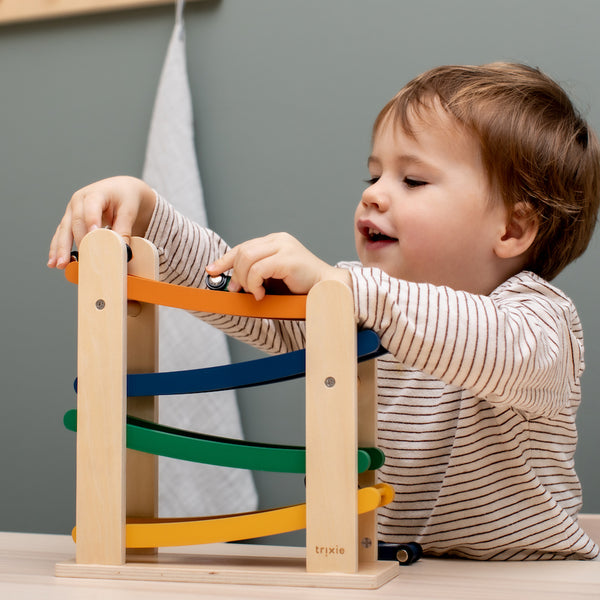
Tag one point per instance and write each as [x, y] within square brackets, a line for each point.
[329, 550]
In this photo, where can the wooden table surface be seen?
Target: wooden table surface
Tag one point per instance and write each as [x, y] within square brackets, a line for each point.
[27, 567]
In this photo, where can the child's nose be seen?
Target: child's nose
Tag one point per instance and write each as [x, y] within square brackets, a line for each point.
[376, 196]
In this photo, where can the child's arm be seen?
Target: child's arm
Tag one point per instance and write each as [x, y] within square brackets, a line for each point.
[131, 207]
[520, 347]
[124, 203]
[186, 250]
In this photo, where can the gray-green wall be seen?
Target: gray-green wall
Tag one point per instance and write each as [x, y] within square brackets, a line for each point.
[285, 92]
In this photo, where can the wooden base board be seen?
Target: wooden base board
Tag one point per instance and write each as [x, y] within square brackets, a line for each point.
[232, 569]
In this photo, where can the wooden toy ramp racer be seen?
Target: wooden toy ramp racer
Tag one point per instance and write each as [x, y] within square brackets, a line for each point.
[117, 487]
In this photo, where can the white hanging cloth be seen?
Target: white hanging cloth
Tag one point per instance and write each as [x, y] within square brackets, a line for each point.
[189, 489]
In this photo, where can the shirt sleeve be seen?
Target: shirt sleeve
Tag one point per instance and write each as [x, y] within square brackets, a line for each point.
[520, 347]
[185, 249]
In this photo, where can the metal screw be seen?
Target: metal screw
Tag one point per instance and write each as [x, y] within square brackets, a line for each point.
[100, 304]
[366, 542]
[330, 382]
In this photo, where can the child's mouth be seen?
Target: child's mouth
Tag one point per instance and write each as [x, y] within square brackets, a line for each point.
[373, 235]
[376, 236]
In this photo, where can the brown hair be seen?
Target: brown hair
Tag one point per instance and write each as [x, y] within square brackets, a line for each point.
[535, 147]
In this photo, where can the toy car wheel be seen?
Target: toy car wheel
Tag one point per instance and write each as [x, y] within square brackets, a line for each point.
[407, 554]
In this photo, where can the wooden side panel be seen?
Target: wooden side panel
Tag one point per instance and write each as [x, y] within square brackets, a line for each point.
[367, 436]
[101, 356]
[142, 357]
[331, 430]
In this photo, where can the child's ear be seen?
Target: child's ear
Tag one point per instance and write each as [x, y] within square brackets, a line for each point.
[519, 232]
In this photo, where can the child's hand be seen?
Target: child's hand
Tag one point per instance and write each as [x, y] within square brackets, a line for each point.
[276, 256]
[123, 203]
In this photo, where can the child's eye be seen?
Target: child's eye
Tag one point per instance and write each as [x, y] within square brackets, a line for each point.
[413, 183]
[371, 181]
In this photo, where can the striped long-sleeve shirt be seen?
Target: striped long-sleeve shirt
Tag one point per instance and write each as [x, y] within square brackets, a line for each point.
[476, 402]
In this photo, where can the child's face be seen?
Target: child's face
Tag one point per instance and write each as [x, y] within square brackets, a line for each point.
[427, 215]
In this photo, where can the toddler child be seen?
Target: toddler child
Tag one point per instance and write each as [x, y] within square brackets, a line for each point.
[484, 185]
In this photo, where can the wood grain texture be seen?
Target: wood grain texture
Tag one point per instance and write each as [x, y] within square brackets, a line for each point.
[101, 369]
[142, 357]
[331, 430]
[367, 433]
[12, 11]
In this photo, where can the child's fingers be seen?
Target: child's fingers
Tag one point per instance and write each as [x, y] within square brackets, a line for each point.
[222, 264]
[61, 243]
[116, 202]
[123, 223]
[86, 213]
[276, 256]
[268, 267]
[60, 247]
[240, 259]
[244, 261]
[251, 265]
[82, 215]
